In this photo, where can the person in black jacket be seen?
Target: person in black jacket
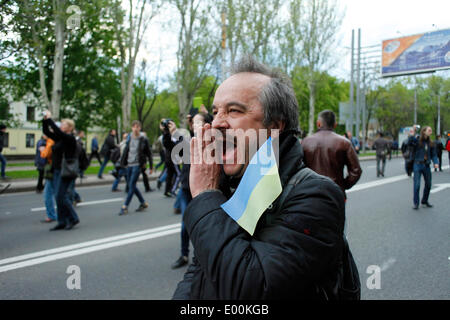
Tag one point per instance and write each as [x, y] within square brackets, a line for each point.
[184, 194]
[285, 258]
[108, 145]
[2, 158]
[168, 128]
[134, 157]
[439, 149]
[65, 147]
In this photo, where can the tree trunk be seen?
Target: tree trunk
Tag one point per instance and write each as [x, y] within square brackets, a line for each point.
[312, 97]
[59, 58]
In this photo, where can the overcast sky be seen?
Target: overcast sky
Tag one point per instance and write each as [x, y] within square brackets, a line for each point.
[378, 19]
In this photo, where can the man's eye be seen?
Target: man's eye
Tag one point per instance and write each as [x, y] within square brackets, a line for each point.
[235, 110]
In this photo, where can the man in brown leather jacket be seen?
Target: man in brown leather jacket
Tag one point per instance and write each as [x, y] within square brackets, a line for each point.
[327, 153]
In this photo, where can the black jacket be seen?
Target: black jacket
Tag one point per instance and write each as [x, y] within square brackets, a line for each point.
[64, 143]
[2, 136]
[108, 145]
[282, 260]
[144, 152]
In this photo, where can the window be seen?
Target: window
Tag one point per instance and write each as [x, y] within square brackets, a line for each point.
[30, 114]
[29, 140]
[6, 140]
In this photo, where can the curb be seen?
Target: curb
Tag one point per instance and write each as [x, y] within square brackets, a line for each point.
[31, 186]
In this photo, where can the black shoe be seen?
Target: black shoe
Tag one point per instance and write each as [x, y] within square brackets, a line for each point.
[100, 177]
[158, 185]
[72, 224]
[176, 210]
[427, 204]
[416, 207]
[182, 261]
[58, 227]
[168, 194]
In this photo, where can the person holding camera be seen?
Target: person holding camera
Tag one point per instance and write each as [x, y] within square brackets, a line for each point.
[65, 168]
[168, 128]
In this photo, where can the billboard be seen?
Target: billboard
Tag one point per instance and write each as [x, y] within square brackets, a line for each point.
[418, 53]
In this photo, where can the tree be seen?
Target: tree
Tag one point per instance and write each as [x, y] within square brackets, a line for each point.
[198, 49]
[319, 27]
[129, 36]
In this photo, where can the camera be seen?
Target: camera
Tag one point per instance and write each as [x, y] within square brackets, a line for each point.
[165, 123]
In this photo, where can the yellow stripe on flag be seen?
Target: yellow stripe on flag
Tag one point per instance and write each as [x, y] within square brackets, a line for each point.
[264, 193]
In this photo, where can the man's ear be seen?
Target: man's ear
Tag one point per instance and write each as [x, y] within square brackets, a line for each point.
[335, 125]
[318, 124]
[275, 128]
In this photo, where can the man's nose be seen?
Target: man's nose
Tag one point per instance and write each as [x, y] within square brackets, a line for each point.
[220, 121]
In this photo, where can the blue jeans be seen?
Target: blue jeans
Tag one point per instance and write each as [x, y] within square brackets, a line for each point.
[49, 193]
[66, 212]
[421, 169]
[73, 194]
[133, 176]
[105, 161]
[122, 172]
[184, 197]
[3, 161]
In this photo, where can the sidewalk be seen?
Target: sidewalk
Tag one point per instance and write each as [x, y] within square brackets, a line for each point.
[22, 185]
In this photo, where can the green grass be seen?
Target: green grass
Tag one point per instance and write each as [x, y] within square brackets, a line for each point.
[33, 174]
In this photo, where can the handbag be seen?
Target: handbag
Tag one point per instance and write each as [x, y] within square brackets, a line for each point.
[69, 167]
[344, 284]
[48, 171]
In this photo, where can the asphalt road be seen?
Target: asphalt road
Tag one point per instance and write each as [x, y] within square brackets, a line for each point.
[129, 257]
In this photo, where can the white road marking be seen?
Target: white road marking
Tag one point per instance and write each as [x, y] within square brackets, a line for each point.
[90, 249]
[88, 243]
[387, 264]
[440, 187]
[377, 183]
[82, 204]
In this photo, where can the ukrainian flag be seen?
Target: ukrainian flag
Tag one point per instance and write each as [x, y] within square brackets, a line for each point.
[259, 187]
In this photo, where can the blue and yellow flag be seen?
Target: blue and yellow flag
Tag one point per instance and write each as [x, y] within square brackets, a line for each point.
[259, 187]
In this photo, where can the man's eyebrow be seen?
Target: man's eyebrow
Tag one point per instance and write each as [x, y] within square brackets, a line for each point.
[231, 103]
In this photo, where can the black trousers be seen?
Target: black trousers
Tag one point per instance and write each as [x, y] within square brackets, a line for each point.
[95, 153]
[145, 179]
[40, 183]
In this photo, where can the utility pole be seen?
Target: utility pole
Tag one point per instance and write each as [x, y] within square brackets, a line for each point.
[352, 110]
[415, 100]
[439, 114]
[364, 113]
[358, 85]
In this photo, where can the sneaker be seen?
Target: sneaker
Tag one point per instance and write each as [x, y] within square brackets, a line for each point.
[142, 207]
[123, 211]
[117, 190]
[182, 261]
[416, 207]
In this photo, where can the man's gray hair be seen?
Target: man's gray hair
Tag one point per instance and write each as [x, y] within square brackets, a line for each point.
[277, 97]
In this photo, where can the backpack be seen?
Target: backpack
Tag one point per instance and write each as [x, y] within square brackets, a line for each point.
[345, 284]
[115, 155]
[83, 160]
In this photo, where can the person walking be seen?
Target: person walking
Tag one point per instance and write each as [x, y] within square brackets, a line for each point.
[439, 149]
[2, 158]
[184, 194]
[134, 156]
[328, 153]
[447, 146]
[381, 146]
[169, 141]
[64, 152]
[424, 151]
[108, 145]
[40, 162]
[120, 170]
[94, 150]
[51, 180]
[407, 152]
